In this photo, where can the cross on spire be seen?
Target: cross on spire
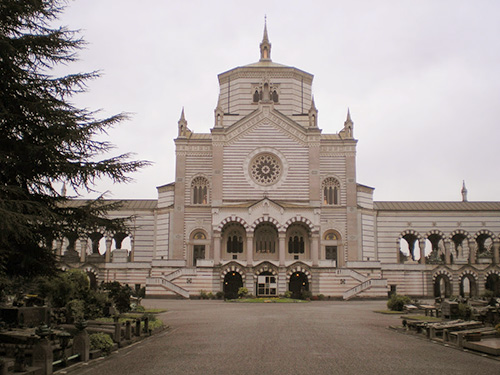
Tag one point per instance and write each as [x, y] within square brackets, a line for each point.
[265, 46]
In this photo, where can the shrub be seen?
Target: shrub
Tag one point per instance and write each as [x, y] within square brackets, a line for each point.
[76, 310]
[101, 341]
[120, 294]
[305, 295]
[288, 294]
[464, 311]
[321, 297]
[242, 292]
[203, 294]
[397, 302]
[219, 295]
[210, 295]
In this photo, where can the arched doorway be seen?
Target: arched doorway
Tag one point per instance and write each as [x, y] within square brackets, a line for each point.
[442, 286]
[232, 283]
[493, 284]
[468, 286]
[298, 284]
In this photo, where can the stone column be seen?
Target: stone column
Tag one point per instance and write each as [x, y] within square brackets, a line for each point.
[472, 251]
[109, 242]
[315, 249]
[421, 244]
[81, 345]
[282, 248]
[132, 248]
[43, 356]
[217, 240]
[249, 249]
[496, 247]
[447, 254]
[83, 249]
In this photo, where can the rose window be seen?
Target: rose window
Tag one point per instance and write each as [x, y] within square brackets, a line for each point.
[265, 169]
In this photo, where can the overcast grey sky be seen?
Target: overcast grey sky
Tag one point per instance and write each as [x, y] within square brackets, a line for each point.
[421, 79]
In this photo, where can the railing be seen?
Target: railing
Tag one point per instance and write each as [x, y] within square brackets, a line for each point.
[348, 294]
[168, 285]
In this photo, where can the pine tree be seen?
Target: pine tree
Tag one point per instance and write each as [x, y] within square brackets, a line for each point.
[46, 141]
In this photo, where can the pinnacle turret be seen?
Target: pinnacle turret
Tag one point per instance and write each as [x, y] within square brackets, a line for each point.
[265, 45]
[464, 192]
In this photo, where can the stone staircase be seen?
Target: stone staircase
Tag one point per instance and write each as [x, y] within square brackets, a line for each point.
[166, 282]
[379, 287]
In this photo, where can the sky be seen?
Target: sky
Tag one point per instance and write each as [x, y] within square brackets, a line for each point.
[421, 80]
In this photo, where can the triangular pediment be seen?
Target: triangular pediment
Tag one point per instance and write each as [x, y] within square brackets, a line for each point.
[269, 116]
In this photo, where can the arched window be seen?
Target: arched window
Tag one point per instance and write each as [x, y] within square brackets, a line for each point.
[234, 242]
[265, 238]
[199, 188]
[296, 244]
[275, 96]
[331, 191]
[256, 96]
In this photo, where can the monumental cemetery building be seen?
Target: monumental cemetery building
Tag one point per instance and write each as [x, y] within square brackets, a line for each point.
[268, 201]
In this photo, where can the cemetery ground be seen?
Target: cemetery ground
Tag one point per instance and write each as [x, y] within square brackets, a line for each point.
[323, 337]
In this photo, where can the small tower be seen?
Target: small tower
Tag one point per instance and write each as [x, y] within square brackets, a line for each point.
[219, 116]
[265, 46]
[183, 129]
[464, 192]
[313, 115]
[348, 126]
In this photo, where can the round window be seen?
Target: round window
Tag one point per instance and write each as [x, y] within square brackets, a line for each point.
[265, 169]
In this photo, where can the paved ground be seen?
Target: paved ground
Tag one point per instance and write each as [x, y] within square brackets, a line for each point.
[213, 337]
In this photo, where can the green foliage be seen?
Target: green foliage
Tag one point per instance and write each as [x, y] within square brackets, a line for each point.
[76, 310]
[305, 295]
[203, 294]
[45, 140]
[101, 341]
[219, 295]
[288, 294]
[464, 311]
[120, 294]
[242, 292]
[210, 295]
[397, 302]
[321, 297]
[66, 286]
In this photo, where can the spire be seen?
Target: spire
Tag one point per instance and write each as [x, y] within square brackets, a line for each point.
[265, 46]
[464, 192]
[348, 126]
[313, 114]
[183, 129]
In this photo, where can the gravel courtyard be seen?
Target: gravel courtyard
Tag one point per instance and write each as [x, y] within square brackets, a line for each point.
[215, 337]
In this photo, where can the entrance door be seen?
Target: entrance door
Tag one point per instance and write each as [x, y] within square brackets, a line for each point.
[198, 253]
[298, 284]
[331, 253]
[232, 283]
[266, 285]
